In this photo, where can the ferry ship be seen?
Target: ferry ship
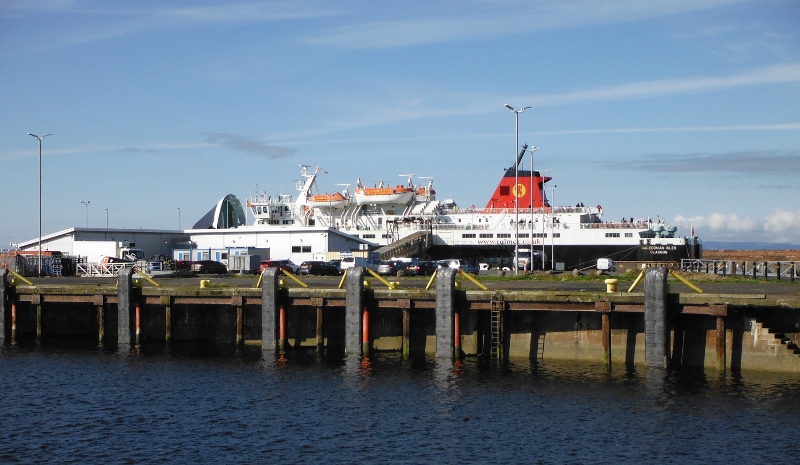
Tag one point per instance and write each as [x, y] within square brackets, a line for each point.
[407, 219]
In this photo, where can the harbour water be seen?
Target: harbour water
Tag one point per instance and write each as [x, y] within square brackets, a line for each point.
[72, 403]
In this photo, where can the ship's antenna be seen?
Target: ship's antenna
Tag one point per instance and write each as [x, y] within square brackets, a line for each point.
[409, 176]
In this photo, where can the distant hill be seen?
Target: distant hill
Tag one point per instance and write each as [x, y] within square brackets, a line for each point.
[721, 245]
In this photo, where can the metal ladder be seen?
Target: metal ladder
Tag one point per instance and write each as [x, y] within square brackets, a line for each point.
[496, 347]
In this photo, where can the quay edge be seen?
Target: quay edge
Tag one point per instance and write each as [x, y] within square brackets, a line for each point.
[714, 331]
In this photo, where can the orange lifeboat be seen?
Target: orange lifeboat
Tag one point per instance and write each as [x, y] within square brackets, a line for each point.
[335, 200]
[384, 195]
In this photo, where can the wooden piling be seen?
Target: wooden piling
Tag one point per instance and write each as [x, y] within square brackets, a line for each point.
[606, 335]
[13, 323]
[406, 333]
[168, 322]
[319, 334]
[101, 326]
[282, 329]
[39, 323]
[720, 344]
[365, 346]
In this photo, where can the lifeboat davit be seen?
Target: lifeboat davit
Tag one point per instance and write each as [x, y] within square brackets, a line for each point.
[335, 200]
[384, 195]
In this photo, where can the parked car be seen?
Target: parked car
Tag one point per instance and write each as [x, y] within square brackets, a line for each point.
[209, 267]
[463, 265]
[287, 265]
[317, 268]
[391, 267]
[425, 268]
[336, 264]
[350, 262]
[606, 264]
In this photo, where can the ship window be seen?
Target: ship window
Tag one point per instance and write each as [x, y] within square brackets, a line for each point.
[628, 234]
[503, 236]
[295, 249]
[612, 234]
[368, 236]
[486, 236]
[311, 222]
[556, 234]
[385, 236]
[468, 236]
[523, 236]
[306, 248]
[380, 221]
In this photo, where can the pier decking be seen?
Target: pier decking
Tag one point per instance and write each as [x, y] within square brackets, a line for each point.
[656, 327]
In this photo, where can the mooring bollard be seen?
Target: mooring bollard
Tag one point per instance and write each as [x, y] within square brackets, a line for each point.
[611, 285]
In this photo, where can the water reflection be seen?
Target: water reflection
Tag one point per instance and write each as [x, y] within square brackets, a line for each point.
[195, 402]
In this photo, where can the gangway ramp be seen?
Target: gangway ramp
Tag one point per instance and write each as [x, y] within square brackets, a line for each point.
[413, 245]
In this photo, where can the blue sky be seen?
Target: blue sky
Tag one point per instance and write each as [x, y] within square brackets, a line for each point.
[684, 110]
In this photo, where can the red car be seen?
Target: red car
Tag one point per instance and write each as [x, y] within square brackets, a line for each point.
[287, 265]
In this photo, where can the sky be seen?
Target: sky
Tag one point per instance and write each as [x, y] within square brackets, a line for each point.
[685, 110]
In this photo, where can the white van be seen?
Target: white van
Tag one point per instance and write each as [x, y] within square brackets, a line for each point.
[606, 264]
[350, 262]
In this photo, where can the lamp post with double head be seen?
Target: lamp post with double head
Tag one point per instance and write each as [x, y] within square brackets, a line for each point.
[40, 198]
[552, 234]
[516, 188]
[531, 150]
[87, 210]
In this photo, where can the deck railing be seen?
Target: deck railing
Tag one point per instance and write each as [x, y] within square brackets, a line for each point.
[755, 269]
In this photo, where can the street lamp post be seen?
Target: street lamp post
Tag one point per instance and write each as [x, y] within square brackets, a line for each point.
[516, 186]
[531, 150]
[541, 173]
[40, 198]
[87, 211]
[552, 234]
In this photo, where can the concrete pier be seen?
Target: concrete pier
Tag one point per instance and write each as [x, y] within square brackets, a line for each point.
[270, 307]
[5, 304]
[448, 322]
[126, 316]
[355, 300]
[656, 334]
[445, 309]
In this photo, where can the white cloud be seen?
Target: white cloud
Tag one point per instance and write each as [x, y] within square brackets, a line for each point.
[767, 75]
[464, 20]
[779, 226]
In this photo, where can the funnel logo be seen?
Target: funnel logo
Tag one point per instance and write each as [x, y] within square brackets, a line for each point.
[518, 190]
